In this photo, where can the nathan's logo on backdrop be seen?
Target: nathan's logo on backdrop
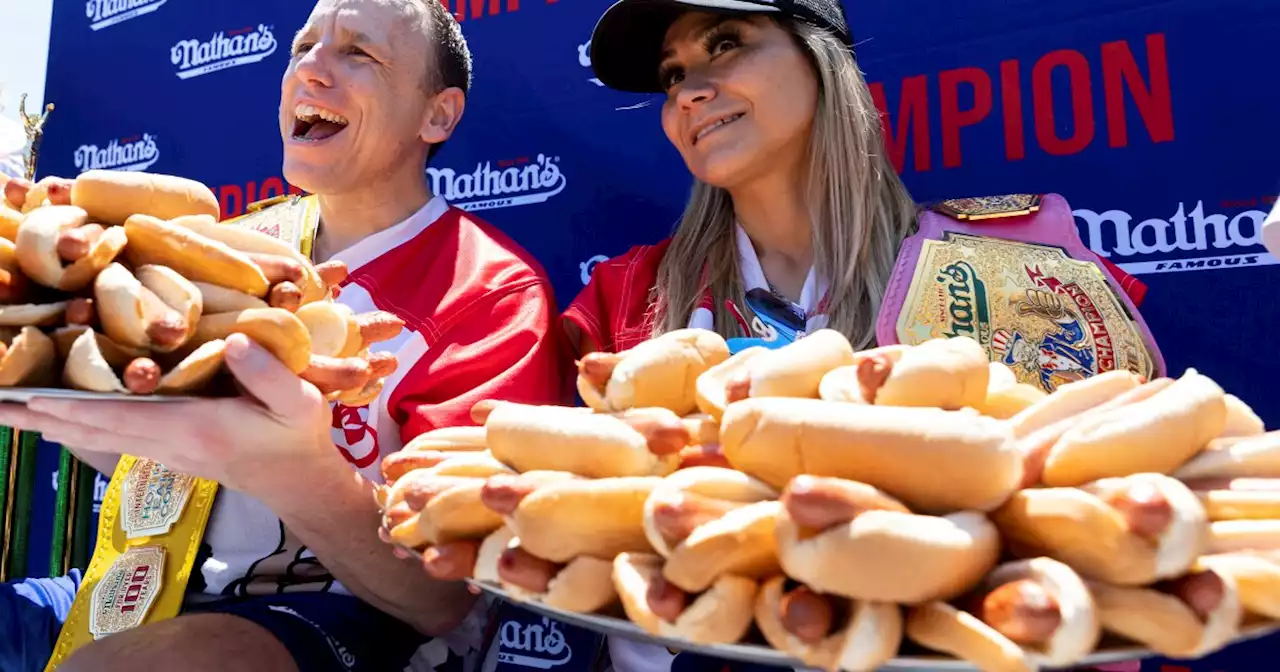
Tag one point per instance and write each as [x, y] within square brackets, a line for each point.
[589, 265]
[136, 153]
[224, 50]
[584, 59]
[501, 184]
[1195, 237]
[106, 13]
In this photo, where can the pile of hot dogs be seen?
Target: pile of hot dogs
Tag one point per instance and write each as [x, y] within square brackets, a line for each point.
[122, 282]
[844, 503]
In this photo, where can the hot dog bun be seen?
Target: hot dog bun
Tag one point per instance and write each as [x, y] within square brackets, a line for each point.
[870, 547]
[30, 360]
[720, 615]
[710, 385]
[247, 240]
[1257, 580]
[130, 314]
[944, 628]
[657, 373]
[1156, 529]
[219, 299]
[578, 517]
[794, 370]
[93, 360]
[36, 248]
[10, 220]
[32, 315]
[1006, 397]
[557, 438]
[973, 464]
[439, 505]
[738, 541]
[868, 638]
[1072, 399]
[1238, 498]
[112, 196]
[583, 585]
[196, 257]
[1156, 435]
[448, 439]
[1256, 456]
[1077, 629]
[1229, 536]
[1241, 420]
[950, 373]
[1188, 618]
[275, 329]
[333, 328]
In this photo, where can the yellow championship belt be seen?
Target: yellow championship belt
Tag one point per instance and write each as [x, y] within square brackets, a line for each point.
[152, 519]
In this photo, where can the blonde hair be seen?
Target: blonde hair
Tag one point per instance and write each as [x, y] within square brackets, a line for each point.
[861, 212]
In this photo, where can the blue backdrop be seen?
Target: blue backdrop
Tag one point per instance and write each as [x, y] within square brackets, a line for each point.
[1154, 118]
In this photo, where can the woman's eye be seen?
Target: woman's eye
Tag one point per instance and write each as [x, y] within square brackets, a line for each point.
[357, 51]
[670, 78]
[301, 49]
[722, 45]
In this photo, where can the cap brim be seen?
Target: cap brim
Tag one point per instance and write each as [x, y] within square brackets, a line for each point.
[626, 44]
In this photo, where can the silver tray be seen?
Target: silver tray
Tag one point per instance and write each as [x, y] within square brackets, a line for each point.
[24, 394]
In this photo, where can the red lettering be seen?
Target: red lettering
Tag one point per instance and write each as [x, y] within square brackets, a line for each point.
[1154, 102]
[1081, 102]
[1015, 145]
[480, 8]
[251, 192]
[953, 118]
[1174, 668]
[231, 200]
[271, 187]
[913, 119]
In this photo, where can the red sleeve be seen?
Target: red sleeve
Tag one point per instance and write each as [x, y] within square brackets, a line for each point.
[614, 308]
[501, 347]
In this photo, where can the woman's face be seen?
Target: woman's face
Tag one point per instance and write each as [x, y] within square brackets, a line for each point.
[741, 96]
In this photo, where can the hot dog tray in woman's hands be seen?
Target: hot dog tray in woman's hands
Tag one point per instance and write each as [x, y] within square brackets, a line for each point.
[120, 285]
[821, 507]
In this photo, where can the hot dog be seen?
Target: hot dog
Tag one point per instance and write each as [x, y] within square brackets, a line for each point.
[504, 493]
[850, 539]
[331, 374]
[88, 368]
[947, 373]
[655, 374]
[633, 443]
[1256, 456]
[383, 364]
[32, 315]
[581, 585]
[1188, 616]
[111, 196]
[10, 221]
[1006, 397]
[794, 370]
[15, 192]
[563, 518]
[1257, 580]
[973, 463]
[720, 615]
[451, 561]
[404, 461]
[448, 439]
[73, 244]
[378, 326]
[197, 257]
[1072, 399]
[275, 329]
[710, 386]
[285, 295]
[218, 299]
[283, 259]
[36, 248]
[1155, 435]
[334, 329]
[28, 359]
[48, 191]
[154, 307]
[360, 396]
[14, 286]
[825, 631]
[1126, 531]
[439, 505]
[1023, 615]
[709, 521]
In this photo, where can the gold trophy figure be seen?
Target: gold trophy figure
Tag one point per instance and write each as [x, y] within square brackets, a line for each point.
[34, 128]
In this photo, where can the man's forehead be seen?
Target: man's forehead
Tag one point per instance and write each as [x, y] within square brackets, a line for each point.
[371, 19]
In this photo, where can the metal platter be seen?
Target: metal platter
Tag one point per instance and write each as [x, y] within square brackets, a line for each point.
[24, 394]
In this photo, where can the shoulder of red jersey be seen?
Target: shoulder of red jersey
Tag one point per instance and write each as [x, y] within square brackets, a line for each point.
[614, 308]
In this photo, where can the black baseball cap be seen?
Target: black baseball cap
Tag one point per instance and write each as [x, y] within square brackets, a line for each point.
[627, 41]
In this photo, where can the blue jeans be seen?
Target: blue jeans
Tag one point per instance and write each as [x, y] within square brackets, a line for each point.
[31, 615]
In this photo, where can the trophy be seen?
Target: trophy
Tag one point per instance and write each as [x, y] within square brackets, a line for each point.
[34, 127]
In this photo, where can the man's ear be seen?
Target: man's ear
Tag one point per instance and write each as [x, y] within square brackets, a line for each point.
[443, 115]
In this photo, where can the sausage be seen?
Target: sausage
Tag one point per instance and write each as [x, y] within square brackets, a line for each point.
[331, 374]
[521, 568]
[13, 286]
[142, 376]
[383, 364]
[335, 291]
[502, 493]
[402, 462]
[58, 191]
[597, 367]
[807, 615]
[418, 492]
[1202, 591]
[15, 191]
[277, 268]
[737, 387]
[819, 503]
[665, 600]
[480, 412]
[1144, 508]
[678, 515]
[332, 273]
[75, 244]
[452, 561]
[1023, 611]
[285, 295]
[166, 327]
[378, 326]
[80, 311]
[705, 455]
[872, 374]
[664, 435]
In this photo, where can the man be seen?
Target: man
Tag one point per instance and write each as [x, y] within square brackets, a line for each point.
[295, 576]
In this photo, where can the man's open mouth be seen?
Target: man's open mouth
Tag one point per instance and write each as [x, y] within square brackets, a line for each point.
[313, 124]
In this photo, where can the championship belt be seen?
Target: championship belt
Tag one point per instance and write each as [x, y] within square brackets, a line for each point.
[153, 519]
[1011, 273]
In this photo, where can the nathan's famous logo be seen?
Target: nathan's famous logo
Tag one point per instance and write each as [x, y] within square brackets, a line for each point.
[135, 153]
[106, 13]
[1191, 239]
[538, 645]
[584, 59]
[589, 265]
[224, 50]
[503, 184]
[967, 308]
